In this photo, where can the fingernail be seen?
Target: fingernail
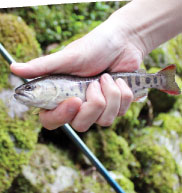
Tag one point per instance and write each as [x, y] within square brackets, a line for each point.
[120, 81]
[107, 78]
[96, 84]
[19, 65]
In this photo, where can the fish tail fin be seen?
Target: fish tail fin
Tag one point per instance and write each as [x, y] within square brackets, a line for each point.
[170, 85]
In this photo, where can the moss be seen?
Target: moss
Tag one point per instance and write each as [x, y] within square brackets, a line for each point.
[20, 42]
[88, 184]
[17, 141]
[125, 124]
[95, 183]
[43, 171]
[112, 150]
[158, 150]
[169, 122]
[158, 168]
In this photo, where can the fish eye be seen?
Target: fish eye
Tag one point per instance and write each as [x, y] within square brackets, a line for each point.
[28, 87]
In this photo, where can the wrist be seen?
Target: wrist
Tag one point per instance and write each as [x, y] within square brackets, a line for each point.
[150, 23]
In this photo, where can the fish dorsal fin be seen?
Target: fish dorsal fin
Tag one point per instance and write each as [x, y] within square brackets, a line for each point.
[141, 71]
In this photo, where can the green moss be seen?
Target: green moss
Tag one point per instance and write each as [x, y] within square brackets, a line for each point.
[20, 42]
[97, 184]
[112, 150]
[158, 171]
[17, 141]
[42, 171]
[125, 124]
[169, 122]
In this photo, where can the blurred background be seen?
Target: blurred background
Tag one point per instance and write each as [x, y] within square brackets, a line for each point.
[143, 149]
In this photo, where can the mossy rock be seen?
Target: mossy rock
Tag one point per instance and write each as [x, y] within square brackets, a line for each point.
[158, 168]
[158, 150]
[17, 141]
[20, 42]
[97, 185]
[124, 125]
[112, 150]
[49, 170]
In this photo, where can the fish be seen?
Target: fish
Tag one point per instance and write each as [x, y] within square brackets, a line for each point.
[49, 91]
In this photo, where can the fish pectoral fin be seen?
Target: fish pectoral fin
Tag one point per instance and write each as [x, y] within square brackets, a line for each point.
[140, 99]
[141, 95]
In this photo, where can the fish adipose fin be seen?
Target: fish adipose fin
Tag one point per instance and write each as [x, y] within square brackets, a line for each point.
[170, 85]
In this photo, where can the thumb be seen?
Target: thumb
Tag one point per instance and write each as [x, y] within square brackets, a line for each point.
[65, 61]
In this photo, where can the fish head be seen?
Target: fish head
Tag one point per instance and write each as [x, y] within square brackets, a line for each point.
[35, 93]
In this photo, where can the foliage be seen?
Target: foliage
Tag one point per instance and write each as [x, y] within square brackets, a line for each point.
[59, 22]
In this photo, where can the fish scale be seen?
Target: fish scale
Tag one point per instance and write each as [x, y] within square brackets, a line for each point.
[47, 92]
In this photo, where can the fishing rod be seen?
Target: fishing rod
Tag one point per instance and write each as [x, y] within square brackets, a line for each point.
[75, 138]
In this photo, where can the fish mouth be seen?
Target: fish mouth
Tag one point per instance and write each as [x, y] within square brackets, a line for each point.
[21, 96]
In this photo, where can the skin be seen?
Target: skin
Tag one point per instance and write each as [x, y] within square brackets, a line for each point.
[119, 45]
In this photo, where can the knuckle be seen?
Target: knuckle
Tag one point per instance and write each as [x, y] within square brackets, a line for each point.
[116, 92]
[79, 127]
[100, 104]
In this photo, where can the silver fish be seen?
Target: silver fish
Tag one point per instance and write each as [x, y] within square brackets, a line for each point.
[47, 92]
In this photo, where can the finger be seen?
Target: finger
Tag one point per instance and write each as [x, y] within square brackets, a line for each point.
[113, 97]
[90, 110]
[64, 113]
[65, 61]
[126, 96]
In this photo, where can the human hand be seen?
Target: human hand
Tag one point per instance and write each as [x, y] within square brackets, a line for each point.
[110, 46]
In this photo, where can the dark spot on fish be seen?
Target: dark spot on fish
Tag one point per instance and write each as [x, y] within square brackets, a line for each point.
[147, 80]
[76, 94]
[62, 90]
[155, 80]
[144, 87]
[137, 80]
[161, 80]
[80, 87]
[129, 81]
[71, 88]
[135, 91]
[151, 85]
[67, 94]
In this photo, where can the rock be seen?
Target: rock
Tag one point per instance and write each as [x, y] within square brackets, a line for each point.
[112, 150]
[158, 149]
[14, 108]
[49, 170]
[124, 182]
